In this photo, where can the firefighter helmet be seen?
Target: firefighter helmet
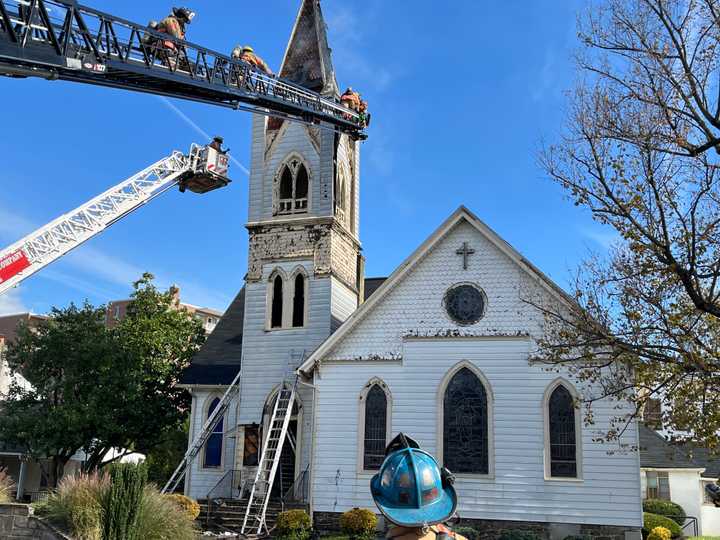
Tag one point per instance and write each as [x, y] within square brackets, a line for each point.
[183, 13]
[411, 490]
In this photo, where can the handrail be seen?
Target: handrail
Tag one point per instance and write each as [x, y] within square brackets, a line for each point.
[293, 494]
[219, 490]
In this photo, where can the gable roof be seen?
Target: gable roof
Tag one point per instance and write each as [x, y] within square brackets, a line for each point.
[218, 360]
[308, 59]
[657, 453]
[460, 215]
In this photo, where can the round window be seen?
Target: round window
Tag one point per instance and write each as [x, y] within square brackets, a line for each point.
[465, 303]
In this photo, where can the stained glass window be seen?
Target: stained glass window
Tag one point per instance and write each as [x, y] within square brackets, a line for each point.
[214, 444]
[375, 428]
[464, 304]
[563, 458]
[465, 424]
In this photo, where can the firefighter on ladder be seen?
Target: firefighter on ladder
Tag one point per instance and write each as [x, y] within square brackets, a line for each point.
[173, 25]
[247, 54]
[406, 473]
[352, 100]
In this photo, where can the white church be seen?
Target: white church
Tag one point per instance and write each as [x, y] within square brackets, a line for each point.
[440, 350]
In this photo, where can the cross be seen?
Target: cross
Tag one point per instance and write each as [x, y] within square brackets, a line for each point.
[465, 252]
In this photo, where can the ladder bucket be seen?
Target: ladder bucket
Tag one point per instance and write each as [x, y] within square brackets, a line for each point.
[209, 170]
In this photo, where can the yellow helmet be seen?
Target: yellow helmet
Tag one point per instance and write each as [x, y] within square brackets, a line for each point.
[248, 48]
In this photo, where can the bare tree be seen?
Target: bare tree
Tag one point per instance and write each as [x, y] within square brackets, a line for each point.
[641, 151]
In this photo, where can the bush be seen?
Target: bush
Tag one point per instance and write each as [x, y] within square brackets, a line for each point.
[121, 504]
[519, 535]
[186, 504]
[650, 521]
[359, 523]
[468, 532]
[665, 508]
[293, 525]
[76, 505]
[160, 518]
[6, 486]
[659, 533]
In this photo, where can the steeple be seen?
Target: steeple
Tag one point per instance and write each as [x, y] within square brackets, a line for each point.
[308, 59]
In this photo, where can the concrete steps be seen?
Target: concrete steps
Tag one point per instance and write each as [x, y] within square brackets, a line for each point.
[228, 514]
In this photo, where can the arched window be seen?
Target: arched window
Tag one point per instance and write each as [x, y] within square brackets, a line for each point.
[292, 187]
[374, 424]
[561, 437]
[465, 424]
[299, 301]
[276, 315]
[214, 444]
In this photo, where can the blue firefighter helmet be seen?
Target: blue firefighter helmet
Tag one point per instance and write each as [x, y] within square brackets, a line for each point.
[411, 490]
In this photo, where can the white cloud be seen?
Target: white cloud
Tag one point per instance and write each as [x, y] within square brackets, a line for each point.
[11, 302]
[606, 238]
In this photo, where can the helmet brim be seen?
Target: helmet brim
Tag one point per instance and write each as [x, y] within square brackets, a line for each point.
[436, 512]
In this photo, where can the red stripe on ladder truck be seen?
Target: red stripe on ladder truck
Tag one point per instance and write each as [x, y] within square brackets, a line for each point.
[12, 264]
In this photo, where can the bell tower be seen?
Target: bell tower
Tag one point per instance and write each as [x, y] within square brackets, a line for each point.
[305, 271]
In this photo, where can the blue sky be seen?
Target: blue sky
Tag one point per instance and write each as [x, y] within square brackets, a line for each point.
[462, 94]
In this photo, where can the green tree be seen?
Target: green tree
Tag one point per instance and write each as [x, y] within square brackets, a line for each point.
[94, 388]
[164, 458]
[640, 152]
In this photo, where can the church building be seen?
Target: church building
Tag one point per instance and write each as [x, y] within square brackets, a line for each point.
[440, 350]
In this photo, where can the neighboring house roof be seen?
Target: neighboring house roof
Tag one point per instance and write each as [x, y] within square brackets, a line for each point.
[704, 457]
[460, 215]
[218, 361]
[658, 453]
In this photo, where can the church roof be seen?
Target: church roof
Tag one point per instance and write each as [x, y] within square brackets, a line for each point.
[462, 214]
[308, 59]
[218, 360]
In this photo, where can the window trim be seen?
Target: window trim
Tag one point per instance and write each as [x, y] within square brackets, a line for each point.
[560, 381]
[440, 427]
[206, 408]
[375, 381]
[276, 185]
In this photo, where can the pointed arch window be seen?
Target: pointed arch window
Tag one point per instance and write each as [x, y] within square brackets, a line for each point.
[562, 431]
[214, 444]
[465, 424]
[375, 410]
[299, 302]
[292, 187]
[276, 310]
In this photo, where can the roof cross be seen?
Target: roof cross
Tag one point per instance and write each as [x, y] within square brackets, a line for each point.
[465, 252]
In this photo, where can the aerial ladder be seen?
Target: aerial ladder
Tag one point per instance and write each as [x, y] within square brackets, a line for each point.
[202, 170]
[63, 40]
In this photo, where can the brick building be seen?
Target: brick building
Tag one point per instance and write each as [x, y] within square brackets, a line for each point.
[439, 350]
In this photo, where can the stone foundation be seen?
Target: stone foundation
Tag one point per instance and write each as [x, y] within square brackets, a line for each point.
[18, 523]
[493, 529]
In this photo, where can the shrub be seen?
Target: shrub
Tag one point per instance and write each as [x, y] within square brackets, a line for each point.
[293, 525]
[468, 532]
[659, 533]
[519, 535]
[121, 504]
[665, 508]
[6, 486]
[76, 505]
[186, 504]
[160, 518]
[359, 523]
[650, 521]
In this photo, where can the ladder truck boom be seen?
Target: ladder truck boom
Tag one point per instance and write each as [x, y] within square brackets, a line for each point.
[203, 169]
[61, 39]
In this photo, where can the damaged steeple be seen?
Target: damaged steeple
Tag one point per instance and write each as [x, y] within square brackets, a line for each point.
[308, 60]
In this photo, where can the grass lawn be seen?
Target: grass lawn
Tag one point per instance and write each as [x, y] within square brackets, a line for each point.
[704, 538]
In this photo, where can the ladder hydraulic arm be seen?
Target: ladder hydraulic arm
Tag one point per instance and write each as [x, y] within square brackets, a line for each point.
[61, 39]
[202, 170]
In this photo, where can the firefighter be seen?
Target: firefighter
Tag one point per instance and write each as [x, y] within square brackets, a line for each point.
[174, 25]
[217, 144]
[351, 99]
[406, 473]
[247, 54]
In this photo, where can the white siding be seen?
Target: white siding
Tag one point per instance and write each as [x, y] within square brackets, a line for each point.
[402, 340]
[607, 494]
[344, 301]
[202, 480]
